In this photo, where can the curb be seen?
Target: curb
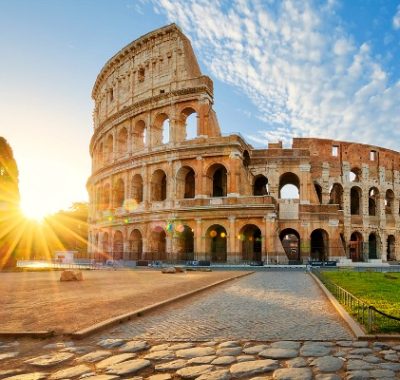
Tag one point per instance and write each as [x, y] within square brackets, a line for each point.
[355, 328]
[137, 313]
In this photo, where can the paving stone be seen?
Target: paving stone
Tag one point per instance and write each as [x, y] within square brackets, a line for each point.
[160, 355]
[396, 348]
[181, 346]
[209, 344]
[58, 345]
[50, 360]
[8, 355]
[253, 350]
[381, 345]
[278, 353]
[115, 359]
[391, 357]
[382, 373]
[94, 356]
[296, 363]
[361, 351]
[328, 363]
[72, 372]
[171, 366]
[102, 377]
[229, 344]
[244, 358]
[128, 367]
[253, 367]
[111, 343]
[315, 349]
[162, 376]
[287, 344]
[134, 346]
[345, 343]
[28, 376]
[10, 372]
[327, 376]
[222, 374]
[202, 360]
[195, 371]
[357, 365]
[78, 350]
[229, 351]
[372, 359]
[357, 375]
[195, 352]
[160, 347]
[224, 360]
[360, 344]
[391, 366]
[293, 374]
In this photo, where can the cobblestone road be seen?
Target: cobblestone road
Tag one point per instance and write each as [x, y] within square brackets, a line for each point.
[262, 306]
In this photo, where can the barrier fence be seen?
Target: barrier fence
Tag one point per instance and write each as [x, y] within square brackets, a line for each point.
[369, 316]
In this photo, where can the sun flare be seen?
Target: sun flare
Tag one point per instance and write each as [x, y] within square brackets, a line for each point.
[34, 211]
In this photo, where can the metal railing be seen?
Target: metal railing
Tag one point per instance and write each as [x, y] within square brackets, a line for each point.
[369, 316]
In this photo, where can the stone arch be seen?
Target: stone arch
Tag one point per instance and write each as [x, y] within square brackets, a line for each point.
[109, 147]
[318, 191]
[135, 245]
[158, 186]
[137, 188]
[118, 245]
[355, 200]
[319, 245]
[372, 246]
[189, 119]
[289, 186]
[119, 193]
[218, 178]
[356, 246]
[389, 202]
[290, 240]
[260, 185]
[391, 248]
[158, 244]
[355, 174]
[184, 242]
[122, 141]
[216, 240]
[336, 195]
[139, 135]
[373, 201]
[161, 130]
[251, 242]
[185, 183]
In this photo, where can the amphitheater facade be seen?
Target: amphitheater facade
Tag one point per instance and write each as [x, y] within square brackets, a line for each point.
[158, 192]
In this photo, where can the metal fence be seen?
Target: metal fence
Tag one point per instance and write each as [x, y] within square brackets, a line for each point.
[369, 316]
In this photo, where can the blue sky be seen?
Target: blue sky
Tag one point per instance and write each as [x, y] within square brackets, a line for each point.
[280, 69]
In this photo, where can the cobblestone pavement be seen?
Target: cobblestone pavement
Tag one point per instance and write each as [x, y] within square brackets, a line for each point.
[262, 306]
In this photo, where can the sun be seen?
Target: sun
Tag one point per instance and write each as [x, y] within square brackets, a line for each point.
[34, 211]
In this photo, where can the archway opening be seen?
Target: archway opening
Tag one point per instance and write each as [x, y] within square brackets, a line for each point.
[160, 133]
[185, 183]
[158, 186]
[135, 245]
[109, 148]
[318, 190]
[219, 178]
[355, 200]
[184, 237]
[137, 188]
[389, 202]
[290, 240]
[372, 246]
[105, 245]
[122, 141]
[216, 236]
[106, 196]
[260, 186]
[336, 195]
[373, 202]
[355, 175]
[119, 193]
[289, 186]
[158, 243]
[118, 246]
[250, 236]
[356, 246]
[139, 135]
[319, 245]
[391, 248]
[189, 118]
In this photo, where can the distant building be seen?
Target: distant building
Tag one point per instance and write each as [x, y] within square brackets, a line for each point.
[157, 192]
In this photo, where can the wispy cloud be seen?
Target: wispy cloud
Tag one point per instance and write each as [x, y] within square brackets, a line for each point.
[396, 19]
[303, 72]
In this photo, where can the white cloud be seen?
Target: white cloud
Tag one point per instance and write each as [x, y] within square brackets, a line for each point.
[396, 19]
[301, 70]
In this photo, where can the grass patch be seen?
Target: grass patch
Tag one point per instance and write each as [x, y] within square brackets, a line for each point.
[381, 290]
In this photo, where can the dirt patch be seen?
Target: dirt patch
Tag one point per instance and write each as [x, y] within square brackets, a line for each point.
[39, 301]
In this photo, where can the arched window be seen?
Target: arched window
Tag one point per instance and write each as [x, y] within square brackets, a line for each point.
[122, 141]
[139, 135]
[355, 175]
[219, 178]
[389, 202]
[137, 188]
[161, 130]
[260, 186]
[189, 120]
[355, 200]
[185, 183]
[158, 186]
[373, 202]
[289, 186]
[119, 193]
[336, 195]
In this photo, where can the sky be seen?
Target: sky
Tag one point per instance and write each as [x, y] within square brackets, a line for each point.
[285, 68]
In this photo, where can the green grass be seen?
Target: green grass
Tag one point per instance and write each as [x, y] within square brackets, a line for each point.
[381, 290]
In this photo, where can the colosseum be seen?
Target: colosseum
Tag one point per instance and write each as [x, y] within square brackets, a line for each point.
[167, 185]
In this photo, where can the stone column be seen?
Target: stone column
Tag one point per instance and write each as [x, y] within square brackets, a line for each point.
[199, 240]
[231, 236]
